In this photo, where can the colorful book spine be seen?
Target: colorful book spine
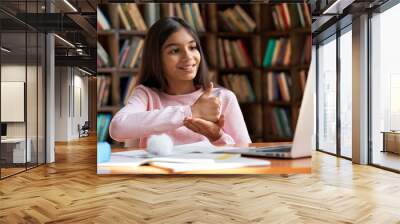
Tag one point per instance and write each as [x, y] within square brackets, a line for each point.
[287, 16]
[103, 122]
[102, 22]
[269, 52]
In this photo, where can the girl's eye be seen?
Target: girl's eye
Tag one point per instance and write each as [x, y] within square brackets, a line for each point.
[173, 51]
[193, 47]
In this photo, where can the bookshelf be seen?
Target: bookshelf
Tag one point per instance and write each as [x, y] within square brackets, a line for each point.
[249, 46]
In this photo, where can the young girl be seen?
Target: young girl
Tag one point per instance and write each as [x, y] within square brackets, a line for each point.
[174, 95]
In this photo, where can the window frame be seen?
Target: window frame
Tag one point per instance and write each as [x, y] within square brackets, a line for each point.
[337, 35]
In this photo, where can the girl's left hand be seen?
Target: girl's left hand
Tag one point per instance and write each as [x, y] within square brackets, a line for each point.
[213, 131]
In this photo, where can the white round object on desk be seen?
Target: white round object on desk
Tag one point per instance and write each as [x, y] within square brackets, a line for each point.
[160, 145]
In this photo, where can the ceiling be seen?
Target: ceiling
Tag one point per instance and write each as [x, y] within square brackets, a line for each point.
[330, 15]
[76, 24]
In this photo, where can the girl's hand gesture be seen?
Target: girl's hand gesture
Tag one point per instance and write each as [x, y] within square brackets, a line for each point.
[207, 106]
[213, 131]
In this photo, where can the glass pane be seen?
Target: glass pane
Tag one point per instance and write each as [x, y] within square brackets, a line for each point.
[32, 85]
[327, 96]
[13, 87]
[41, 99]
[385, 89]
[345, 94]
[31, 97]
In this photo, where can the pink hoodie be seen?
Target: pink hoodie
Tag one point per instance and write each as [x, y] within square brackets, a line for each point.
[150, 111]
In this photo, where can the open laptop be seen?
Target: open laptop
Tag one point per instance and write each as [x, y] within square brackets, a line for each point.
[3, 131]
[302, 142]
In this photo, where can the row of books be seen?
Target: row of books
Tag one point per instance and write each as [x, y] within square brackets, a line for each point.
[102, 21]
[103, 90]
[236, 20]
[240, 85]
[131, 18]
[130, 53]
[277, 52]
[103, 121]
[129, 15]
[286, 16]
[103, 59]
[278, 85]
[280, 123]
[306, 52]
[190, 12]
[126, 87]
[233, 54]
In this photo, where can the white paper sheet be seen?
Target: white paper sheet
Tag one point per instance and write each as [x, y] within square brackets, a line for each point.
[230, 163]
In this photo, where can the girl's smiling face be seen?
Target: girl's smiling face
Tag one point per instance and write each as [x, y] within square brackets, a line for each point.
[180, 57]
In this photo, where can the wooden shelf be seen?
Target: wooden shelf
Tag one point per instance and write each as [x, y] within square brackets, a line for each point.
[106, 32]
[107, 109]
[279, 103]
[117, 70]
[235, 70]
[132, 33]
[278, 68]
[302, 30]
[286, 67]
[106, 70]
[287, 33]
[131, 70]
[236, 34]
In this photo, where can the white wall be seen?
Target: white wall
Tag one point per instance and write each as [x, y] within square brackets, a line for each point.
[70, 84]
[17, 73]
[61, 103]
[33, 126]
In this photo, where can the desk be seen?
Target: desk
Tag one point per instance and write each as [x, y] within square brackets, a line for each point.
[391, 141]
[16, 148]
[278, 166]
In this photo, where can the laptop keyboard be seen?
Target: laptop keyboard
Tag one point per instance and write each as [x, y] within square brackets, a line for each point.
[275, 149]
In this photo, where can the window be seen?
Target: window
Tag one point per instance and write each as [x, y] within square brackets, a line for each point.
[346, 92]
[385, 87]
[22, 76]
[327, 95]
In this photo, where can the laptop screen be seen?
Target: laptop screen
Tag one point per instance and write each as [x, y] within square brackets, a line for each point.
[3, 129]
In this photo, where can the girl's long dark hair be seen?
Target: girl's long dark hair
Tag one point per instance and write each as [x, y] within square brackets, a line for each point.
[150, 71]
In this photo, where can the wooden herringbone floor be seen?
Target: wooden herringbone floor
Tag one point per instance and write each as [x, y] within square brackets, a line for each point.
[70, 191]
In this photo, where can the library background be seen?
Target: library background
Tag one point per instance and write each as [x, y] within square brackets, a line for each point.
[261, 52]
[265, 62]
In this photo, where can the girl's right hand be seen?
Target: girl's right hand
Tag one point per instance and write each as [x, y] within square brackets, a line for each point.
[207, 106]
[213, 131]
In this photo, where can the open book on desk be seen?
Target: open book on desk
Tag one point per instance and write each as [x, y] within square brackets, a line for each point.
[197, 156]
[140, 157]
